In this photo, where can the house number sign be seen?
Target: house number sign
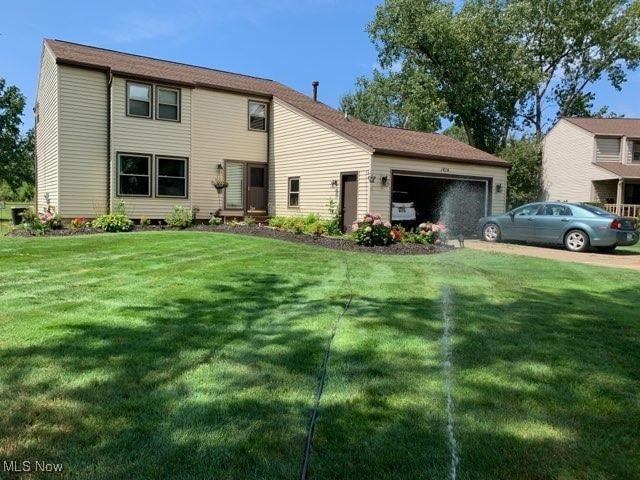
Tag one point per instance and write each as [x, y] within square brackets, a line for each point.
[445, 170]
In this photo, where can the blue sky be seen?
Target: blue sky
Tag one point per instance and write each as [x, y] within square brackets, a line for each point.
[292, 41]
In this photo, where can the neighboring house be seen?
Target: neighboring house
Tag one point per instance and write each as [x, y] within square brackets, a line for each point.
[155, 133]
[594, 160]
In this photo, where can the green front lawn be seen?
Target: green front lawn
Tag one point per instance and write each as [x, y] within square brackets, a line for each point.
[196, 355]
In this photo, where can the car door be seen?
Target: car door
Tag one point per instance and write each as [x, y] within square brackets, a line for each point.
[551, 222]
[520, 225]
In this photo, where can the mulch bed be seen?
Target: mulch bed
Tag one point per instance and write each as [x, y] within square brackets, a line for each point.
[335, 243]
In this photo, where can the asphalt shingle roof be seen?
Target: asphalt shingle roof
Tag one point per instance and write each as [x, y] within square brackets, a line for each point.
[382, 140]
[618, 127]
[623, 170]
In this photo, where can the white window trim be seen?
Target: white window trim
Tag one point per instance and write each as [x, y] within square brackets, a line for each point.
[179, 105]
[290, 191]
[150, 87]
[158, 176]
[149, 172]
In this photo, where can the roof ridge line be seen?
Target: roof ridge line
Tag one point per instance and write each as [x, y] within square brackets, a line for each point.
[147, 57]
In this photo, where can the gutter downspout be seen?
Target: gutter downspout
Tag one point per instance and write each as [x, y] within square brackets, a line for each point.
[109, 84]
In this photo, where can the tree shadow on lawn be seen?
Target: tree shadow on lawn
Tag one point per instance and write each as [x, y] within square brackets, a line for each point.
[544, 388]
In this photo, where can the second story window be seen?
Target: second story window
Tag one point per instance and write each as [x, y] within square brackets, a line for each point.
[168, 107]
[257, 116]
[138, 100]
[636, 152]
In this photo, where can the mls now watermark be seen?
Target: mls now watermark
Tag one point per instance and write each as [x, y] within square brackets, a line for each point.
[27, 466]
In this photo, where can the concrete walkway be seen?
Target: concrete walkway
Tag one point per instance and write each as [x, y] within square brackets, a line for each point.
[619, 258]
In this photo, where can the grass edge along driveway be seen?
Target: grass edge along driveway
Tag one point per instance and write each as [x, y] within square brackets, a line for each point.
[190, 355]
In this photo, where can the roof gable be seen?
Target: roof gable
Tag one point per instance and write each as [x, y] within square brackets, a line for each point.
[380, 139]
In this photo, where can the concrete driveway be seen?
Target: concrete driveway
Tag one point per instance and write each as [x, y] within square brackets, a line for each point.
[619, 258]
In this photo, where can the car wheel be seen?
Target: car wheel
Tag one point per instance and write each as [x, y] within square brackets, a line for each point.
[491, 232]
[576, 241]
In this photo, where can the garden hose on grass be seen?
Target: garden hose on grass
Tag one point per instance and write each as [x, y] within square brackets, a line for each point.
[322, 377]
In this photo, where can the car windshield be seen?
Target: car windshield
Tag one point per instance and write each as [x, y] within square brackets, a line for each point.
[595, 210]
[401, 197]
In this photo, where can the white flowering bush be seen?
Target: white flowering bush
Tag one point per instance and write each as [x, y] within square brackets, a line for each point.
[372, 231]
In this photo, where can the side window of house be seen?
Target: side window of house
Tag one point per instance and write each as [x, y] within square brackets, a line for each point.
[294, 191]
[139, 100]
[168, 107]
[257, 115]
[636, 151]
[171, 179]
[134, 175]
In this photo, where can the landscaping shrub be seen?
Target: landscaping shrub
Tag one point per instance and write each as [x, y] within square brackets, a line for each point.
[310, 224]
[43, 221]
[113, 222]
[398, 232]
[78, 222]
[215, 220]
[429, 233]
[180, 217]
[144, 221]
[372, 231]
[249, 221]
[118, 221]
[333, 226]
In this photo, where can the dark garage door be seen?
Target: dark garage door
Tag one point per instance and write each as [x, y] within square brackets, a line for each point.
[457, 201]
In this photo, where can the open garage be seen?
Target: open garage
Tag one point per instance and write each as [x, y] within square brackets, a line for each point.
[458, 201]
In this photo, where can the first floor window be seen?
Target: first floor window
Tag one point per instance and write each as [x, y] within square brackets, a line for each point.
[134, 174]
[294, 191]
[257, 116]
[138, 100]
[233, 196]
[172, 177]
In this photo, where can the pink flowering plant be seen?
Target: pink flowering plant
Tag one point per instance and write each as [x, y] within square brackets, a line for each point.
[431, 234]
[48, 219]
[372, 231]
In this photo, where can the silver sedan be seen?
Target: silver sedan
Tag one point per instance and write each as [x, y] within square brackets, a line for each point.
[576, 226]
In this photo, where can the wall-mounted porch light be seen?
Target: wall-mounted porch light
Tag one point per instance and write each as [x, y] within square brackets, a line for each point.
[372, 178]
[334, 183]
[498, 187]
[220, 167]
[384, 180]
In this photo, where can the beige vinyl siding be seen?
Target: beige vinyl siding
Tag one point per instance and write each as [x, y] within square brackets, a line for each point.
[567, 163]
[384, 164]
[220, 132]
[305, 148]
[83, 142]
[47, 132]
[148, 136]
[608, 149]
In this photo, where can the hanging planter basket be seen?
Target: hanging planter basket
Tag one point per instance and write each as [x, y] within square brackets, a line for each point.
[219, 184]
